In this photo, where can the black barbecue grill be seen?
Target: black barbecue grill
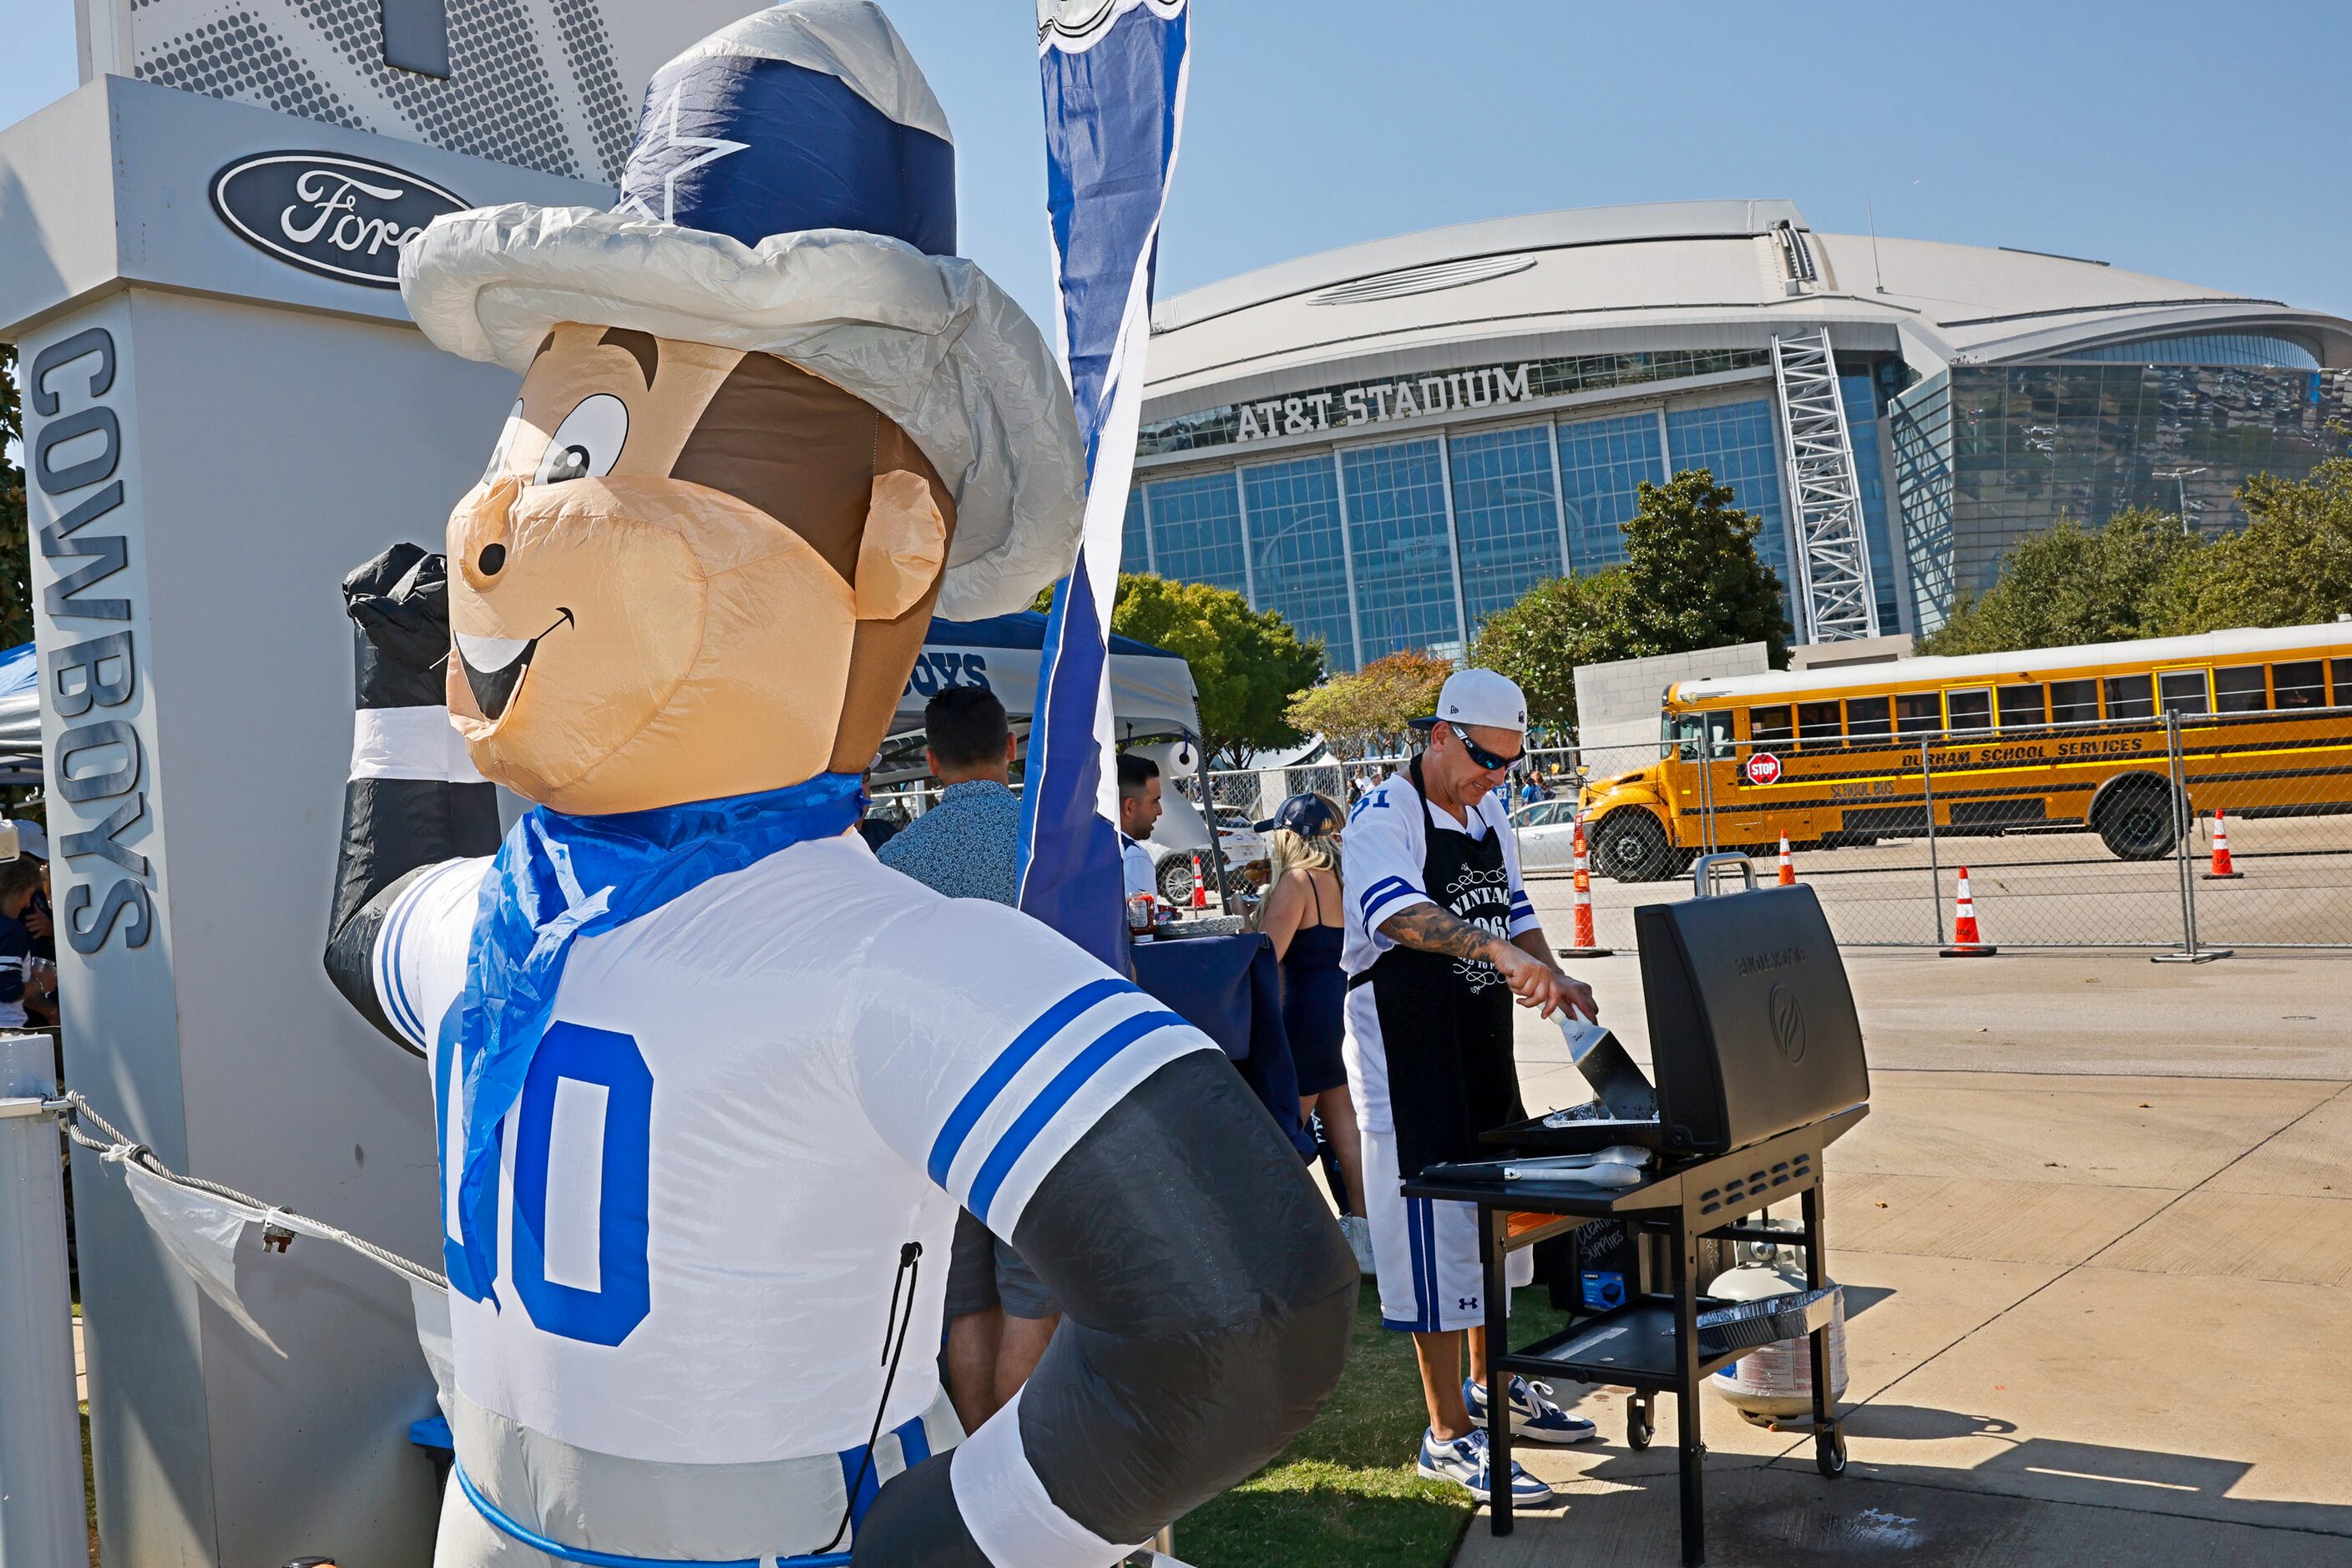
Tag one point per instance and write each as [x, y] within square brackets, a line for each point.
[1759, 1067]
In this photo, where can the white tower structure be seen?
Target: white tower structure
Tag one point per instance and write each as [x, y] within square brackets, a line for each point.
[1835, 599]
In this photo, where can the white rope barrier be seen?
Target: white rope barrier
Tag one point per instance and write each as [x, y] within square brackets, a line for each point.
[199, 1222]
[280, 1224]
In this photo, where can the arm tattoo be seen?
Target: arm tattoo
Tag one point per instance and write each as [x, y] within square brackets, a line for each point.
[1431, 929]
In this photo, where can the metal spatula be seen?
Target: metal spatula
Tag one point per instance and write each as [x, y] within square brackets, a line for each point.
[1619, 1084]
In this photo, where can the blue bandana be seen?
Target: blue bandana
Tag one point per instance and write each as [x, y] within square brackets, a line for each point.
[557, 878]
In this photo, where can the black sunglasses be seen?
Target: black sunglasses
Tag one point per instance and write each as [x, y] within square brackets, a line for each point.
[1479, 754]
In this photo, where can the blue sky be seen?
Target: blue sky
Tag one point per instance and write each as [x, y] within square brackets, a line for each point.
[2207, 142]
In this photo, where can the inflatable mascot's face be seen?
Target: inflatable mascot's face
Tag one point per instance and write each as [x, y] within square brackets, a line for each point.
[689, 572]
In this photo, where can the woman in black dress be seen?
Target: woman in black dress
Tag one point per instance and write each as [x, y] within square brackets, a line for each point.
[1306, 921]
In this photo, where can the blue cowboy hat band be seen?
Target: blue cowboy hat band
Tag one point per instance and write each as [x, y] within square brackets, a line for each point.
[748, 146]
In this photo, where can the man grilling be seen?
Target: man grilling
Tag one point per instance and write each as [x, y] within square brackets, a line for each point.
[1441, 940]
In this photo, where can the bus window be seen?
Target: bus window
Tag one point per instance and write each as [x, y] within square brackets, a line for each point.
[2131, 697]
[2021, 705]
[1817, 725]
[2340, 671]
[1869, 716]
[1689, 729]
[1970, 710]
[2073, 701]
[2238, 690]
[2184, 690]
[2301, 685]
[1769, 725]
[1919, 713]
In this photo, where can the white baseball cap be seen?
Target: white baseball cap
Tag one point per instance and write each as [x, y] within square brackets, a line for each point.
[1480, 696]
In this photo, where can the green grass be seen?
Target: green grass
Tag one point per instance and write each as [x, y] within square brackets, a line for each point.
[89, 1486]
[1345, 1491]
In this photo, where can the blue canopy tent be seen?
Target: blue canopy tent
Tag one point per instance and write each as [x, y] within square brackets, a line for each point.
[20, 716]
[1151, 689]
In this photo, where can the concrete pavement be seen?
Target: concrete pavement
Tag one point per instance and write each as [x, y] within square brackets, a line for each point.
[2097, 1236]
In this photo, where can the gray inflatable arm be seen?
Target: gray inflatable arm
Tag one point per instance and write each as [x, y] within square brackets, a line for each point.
[1207, 1299]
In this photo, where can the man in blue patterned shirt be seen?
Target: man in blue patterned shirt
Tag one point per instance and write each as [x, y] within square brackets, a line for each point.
[969, 845]
[1000, 1315]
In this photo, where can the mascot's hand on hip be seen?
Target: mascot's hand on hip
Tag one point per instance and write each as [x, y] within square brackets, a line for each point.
[710, 1083]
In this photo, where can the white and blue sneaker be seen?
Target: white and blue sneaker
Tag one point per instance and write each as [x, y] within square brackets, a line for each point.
[1359, 1232]
[1533, 1415]
[1463, 1461]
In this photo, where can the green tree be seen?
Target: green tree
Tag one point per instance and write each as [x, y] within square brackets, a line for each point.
[1246, 663]
[2073, 584]
[1556, 626]
[1693, 579]
[15, 546]
[2289, 566]
[1365, 713]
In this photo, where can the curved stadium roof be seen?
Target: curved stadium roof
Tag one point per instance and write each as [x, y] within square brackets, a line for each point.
[1696, 275]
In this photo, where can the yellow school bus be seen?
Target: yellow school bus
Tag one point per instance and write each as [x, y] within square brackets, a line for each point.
[2042, 739]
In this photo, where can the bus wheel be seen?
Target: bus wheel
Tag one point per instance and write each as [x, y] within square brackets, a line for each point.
[1630, 846]
[2135, 821]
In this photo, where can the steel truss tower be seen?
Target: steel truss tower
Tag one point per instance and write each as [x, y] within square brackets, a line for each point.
[1835, 598]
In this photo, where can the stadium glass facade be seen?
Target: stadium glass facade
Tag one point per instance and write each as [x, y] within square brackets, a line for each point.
[1985, 456]
[1378, 546]
[1375, 545]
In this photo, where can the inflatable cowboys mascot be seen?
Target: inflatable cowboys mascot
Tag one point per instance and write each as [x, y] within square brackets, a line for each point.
[710, 1082]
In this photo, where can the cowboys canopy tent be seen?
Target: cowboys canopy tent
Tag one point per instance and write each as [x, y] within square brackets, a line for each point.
[1152, 690]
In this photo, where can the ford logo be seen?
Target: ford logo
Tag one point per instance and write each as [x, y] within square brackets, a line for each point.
[338, 218]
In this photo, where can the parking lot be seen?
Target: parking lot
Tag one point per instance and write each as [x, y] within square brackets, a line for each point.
[2042, 888]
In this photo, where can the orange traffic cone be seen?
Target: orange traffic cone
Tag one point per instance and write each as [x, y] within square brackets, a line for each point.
[1200, 884]
[1787, 867]
[1588, 944]
[1964, 941]
[2222, 870]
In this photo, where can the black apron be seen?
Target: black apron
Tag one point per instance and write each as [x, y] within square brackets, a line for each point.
[1445, 1023]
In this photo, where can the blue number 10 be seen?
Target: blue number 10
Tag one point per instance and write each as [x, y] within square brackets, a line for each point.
[605, 1313]
[600, 1297]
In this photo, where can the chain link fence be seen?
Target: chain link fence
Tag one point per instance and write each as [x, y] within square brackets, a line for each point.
[1256, 792]
[1555, 770]
[2093, 834]
[2100, 835]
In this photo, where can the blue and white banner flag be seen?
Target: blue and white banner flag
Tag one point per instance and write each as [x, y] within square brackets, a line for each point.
[1114, 80]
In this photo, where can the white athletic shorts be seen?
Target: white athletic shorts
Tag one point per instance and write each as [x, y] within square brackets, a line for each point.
[1427, 1253]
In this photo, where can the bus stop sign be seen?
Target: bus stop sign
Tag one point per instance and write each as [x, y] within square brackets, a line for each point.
[1763, 768]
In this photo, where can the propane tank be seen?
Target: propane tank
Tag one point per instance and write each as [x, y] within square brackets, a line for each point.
[1775, 1382]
